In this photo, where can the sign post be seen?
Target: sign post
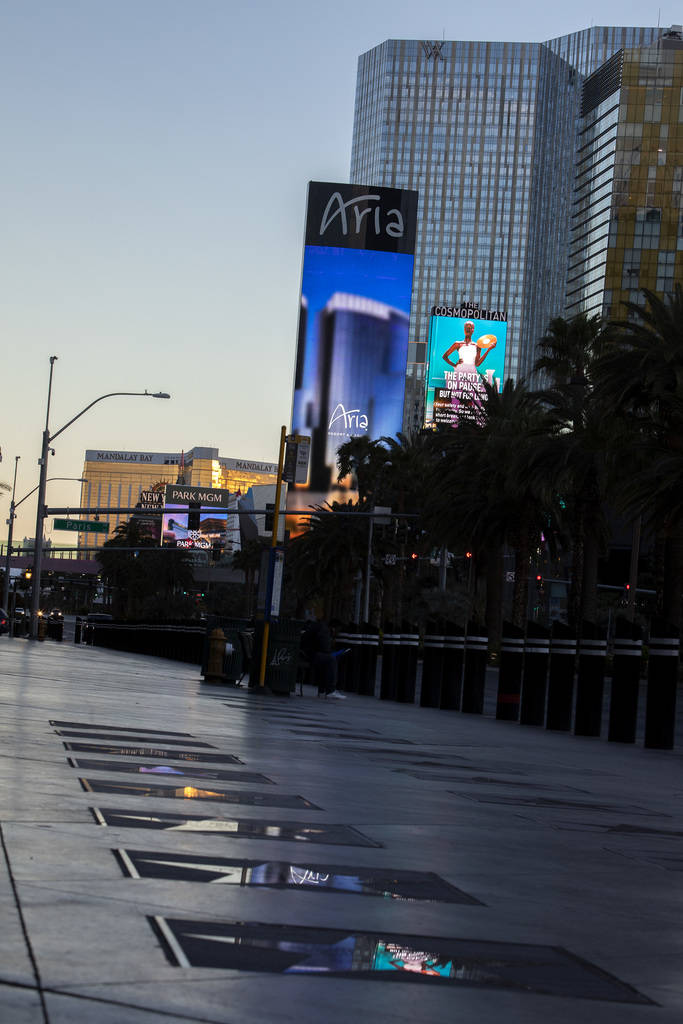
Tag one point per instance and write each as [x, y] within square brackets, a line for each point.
[297, 451]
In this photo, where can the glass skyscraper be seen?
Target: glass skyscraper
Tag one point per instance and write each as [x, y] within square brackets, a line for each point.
[626, 229]
[489, 133]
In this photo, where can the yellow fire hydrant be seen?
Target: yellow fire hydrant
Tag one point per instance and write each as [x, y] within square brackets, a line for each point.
[42, 626]
[214, 666]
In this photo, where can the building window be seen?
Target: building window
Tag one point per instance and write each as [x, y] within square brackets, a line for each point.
[665, 271]
[630, 269]
[646, 230]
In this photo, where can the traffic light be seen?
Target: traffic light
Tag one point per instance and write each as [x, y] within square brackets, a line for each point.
[270, 517]
[414, 556]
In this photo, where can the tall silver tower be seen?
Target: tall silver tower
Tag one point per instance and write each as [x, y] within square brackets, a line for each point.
[486, 132]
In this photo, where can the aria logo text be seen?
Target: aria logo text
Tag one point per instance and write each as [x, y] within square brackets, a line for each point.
[352, 213]
[344, 420]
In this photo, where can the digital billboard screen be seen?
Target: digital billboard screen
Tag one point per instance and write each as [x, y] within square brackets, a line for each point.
[466, 348]
[202, 520]
[353, 326]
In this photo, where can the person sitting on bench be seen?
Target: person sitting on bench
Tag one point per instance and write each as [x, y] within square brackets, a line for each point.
[316, 646]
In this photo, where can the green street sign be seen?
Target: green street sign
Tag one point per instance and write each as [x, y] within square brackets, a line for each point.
[80, 526]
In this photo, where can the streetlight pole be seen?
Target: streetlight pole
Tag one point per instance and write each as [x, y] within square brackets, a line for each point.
[45, 449]
[368, 557]
[10, 523]
[13, 507]
[368, 569]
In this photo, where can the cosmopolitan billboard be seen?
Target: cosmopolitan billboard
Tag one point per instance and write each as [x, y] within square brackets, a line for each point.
[466, 348]
[353, 326]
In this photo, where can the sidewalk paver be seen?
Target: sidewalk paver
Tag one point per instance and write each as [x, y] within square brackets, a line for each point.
[178, 851]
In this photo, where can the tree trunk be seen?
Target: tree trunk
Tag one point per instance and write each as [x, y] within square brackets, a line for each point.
[520, 593]
[576, 586]
[589, 588]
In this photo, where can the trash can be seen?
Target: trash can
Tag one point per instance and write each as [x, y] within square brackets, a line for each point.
[282, 662]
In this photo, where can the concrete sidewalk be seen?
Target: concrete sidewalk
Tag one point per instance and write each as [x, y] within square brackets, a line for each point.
[174, 851]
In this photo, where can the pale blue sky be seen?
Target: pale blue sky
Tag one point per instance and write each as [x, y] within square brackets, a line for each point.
[152, 191]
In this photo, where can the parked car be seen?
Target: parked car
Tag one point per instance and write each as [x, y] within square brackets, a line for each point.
[4, 621]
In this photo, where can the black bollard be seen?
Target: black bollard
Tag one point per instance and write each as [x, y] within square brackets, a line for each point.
[362, 656]
[662, 681]
[510, 673]
[353, 659]
[432, 665]
[371, 646]
[390, 645]
[474, 670]
[591, 680]
[78, 629]
[407, 663]
[626, 666]
[341, 643]
[536, 652]
[561, 677]
[453, 658]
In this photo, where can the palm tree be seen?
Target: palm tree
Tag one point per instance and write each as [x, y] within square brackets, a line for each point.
[364, 460]
[248, 560]
[393, 472]
[485, 496]
[574, 457]
[143, 575]
[640, 376]
[326, 558]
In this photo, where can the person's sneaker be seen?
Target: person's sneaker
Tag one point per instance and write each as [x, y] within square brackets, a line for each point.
[336, 695]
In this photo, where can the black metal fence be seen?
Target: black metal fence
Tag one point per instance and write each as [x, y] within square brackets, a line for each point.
[546, 678]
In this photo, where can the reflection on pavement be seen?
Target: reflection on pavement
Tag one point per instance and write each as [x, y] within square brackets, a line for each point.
[386, 883]
[292, 949]
[336, 835]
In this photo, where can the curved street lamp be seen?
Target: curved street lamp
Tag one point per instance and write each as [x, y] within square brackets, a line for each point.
[48, 438]
[14, 505]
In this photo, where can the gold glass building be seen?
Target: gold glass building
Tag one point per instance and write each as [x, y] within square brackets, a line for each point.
[627, 221]
[115, 479]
